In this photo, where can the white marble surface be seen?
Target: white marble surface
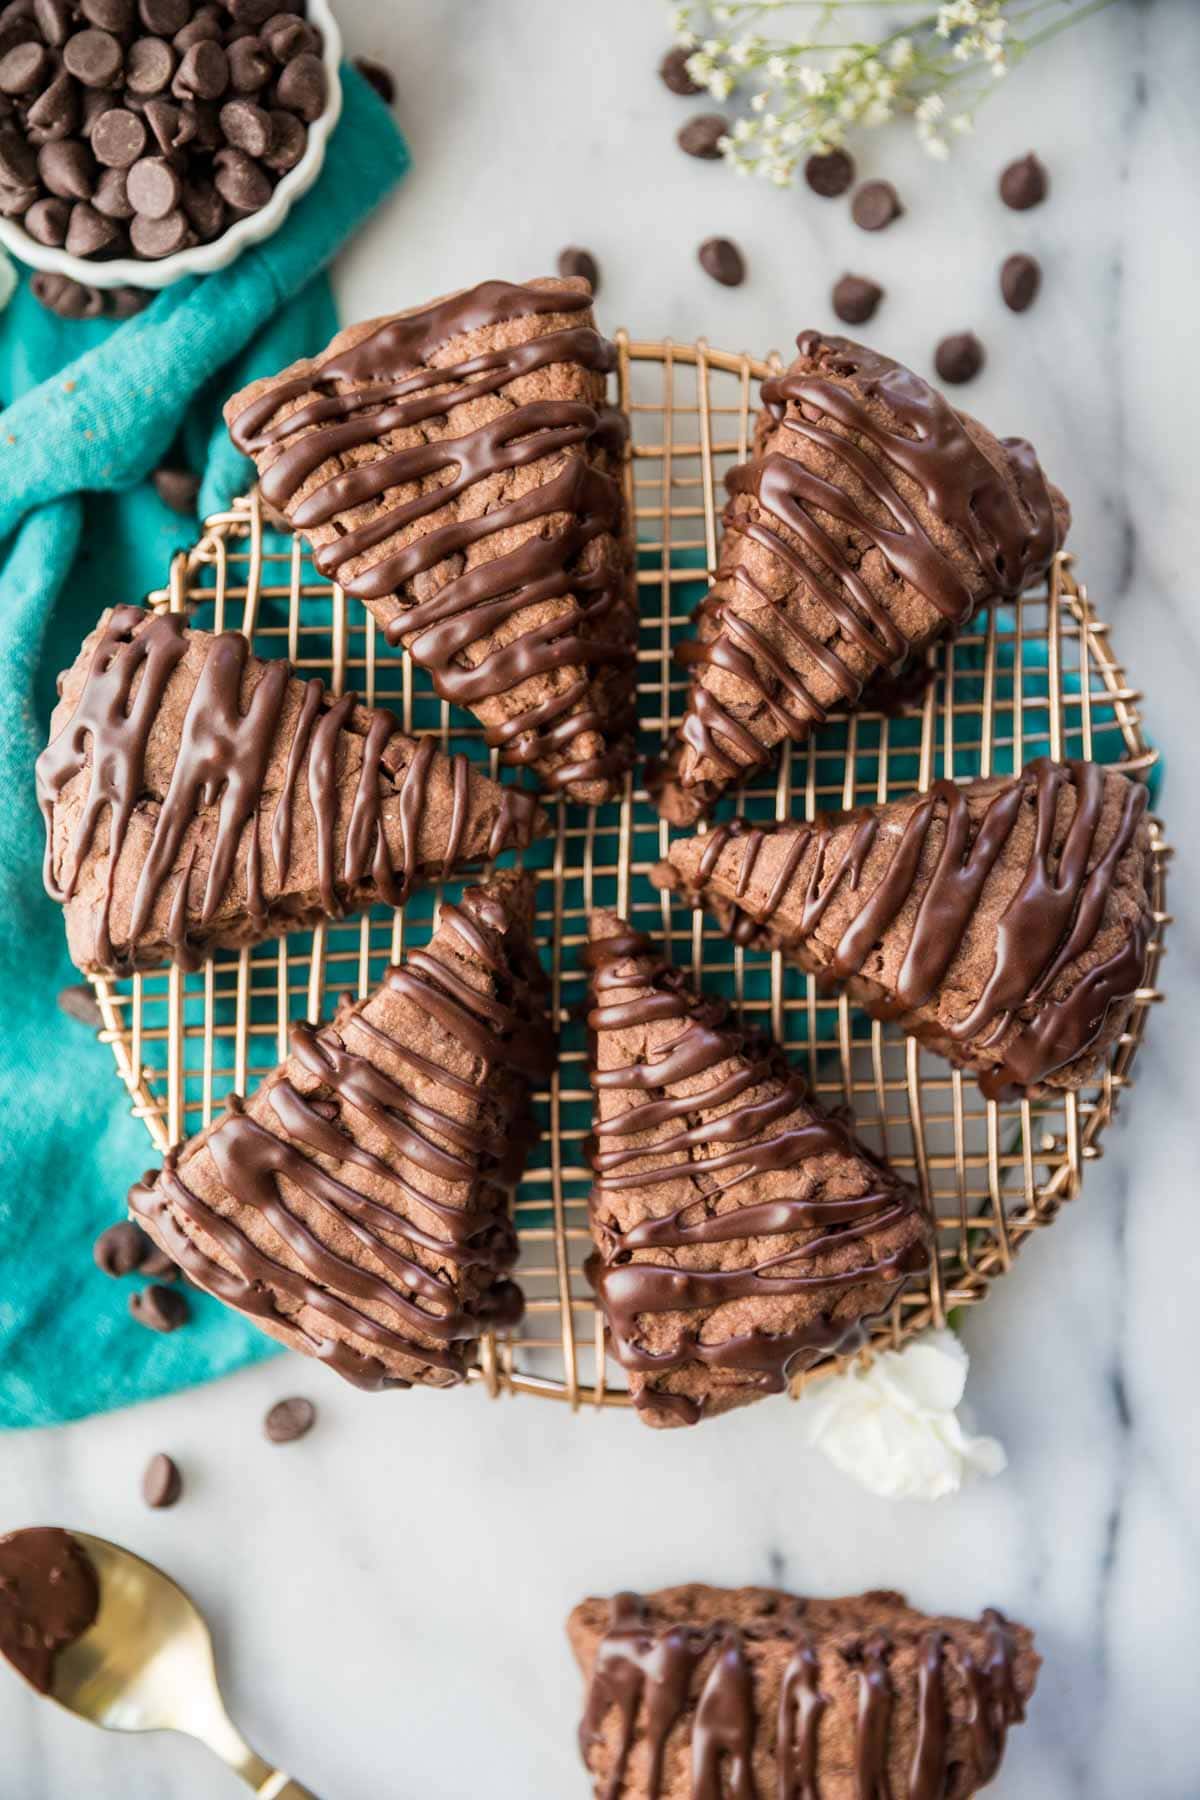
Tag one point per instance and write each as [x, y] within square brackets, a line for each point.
[388, 1594]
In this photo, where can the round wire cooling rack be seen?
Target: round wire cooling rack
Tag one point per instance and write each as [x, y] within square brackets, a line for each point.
[1035, 678]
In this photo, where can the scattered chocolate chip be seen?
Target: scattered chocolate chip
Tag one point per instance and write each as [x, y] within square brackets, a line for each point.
[46, 222]
[673, 73]
[124, 303]
[576, 261]
[55, 112]
[1024, 183]
[24, 69]
[246, 126]
[1020, 279]
[162, 1484]
[830, 174]
[249, 66]
[165, 17]
[66, 298]
[67, 168]
[89, 231]
[302, 86]
[122, 1250]
[958, 357]
[79, 1000]
[379, 77]
[855, 299]
[93, 57]
[177, 488]
[287, 142]
[721, 258]
[702, 136]
[153, 187]
[153, 238]
[149, 66]
[875, 205]
[160, 1308]
[289, 1419]
[203, 74]
[118, 138]
[112, 196]
[240, 181]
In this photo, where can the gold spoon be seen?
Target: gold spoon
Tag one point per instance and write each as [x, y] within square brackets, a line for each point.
[147, 1665]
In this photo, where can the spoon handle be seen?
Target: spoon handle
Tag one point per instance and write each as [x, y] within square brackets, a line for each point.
[279, 1786]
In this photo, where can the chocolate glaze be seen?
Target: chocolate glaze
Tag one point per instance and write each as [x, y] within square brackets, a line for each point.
[1011, 538]
[256, 1155]
[222, 760]
[390, 382]
[1050, 921]
[751, 1139]
[49, 1596]
[654, 1676]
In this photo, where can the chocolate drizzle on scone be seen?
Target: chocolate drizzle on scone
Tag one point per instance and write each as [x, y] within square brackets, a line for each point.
[698, 1694]
[205, 764]
[741, 1234]
[873, 518]
[473, 501]
[1005, 922]
[356, 1205]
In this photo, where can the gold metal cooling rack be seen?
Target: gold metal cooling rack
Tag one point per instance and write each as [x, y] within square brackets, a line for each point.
[1032, 679]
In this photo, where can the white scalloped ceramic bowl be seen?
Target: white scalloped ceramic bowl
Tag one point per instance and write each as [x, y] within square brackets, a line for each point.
[202, 259]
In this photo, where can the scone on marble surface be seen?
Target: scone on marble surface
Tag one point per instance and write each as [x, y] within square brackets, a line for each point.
[695, 1692]
[457, 467]
[872, 519]
[741, 1233]
[196, 795]
[1004, 922]
[357, 1205]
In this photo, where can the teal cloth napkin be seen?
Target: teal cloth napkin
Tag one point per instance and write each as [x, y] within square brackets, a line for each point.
[91, 408]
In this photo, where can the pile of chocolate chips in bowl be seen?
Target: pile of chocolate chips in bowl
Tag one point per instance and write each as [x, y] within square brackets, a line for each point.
[141, 127]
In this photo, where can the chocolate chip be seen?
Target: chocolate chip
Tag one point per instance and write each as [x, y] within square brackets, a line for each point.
[203, 74]
[153, 238]
[830, 174]
[177, 488]
[289, 1419]
[246, 126]
[55, 112]
[164, 17]
[124, 303]
[93, 57]
[18, 160]
[149, 66]
[46, 222]
[672, 71]
[89, 231]
[16, 200]
[205, 209]
[204, 28]
[875, 205]
[79, 1000]
[301, 86]
[53, 20]
[201, 125]
[67, 169]
[379, 77]
[252, 12]
[65, 298]
[160, 1308]
[122, 1250]
[958, 357]
[721, 258]
[240, 182]
[162, 1484]
[702, 136]
[1020, 279]
[109, 15]
[249, 66]
[112, 196]
[1024, 183]
[286, 37]
[855, 299]
[25, 69]
[287, 142]
[118, 138]
[153, 187]
[163, 118]
[576, 261]
[92, 102]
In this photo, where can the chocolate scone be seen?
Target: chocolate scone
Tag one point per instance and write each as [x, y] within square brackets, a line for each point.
[458, 469]
[1004, 922]
[695, 1691]
[356, 1206]
[741, 1233]
[871, 519]
[195, 796]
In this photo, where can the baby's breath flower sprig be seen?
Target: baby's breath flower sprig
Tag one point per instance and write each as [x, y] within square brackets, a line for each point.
[807, 93]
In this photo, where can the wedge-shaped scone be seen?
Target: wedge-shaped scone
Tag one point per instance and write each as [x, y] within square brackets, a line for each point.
[1003, 922]
[741, 1234]
[458, 468]
[698, 1692]
[196, 796]
[872, 519]
[357, 1205]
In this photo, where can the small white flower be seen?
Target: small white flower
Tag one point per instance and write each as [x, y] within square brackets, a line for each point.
[963, 124]
[877, 113]
[937, 147]
[930, 108]
[812, 80]
[893, 1423]
[901, 54]
[742, 130]
[777, 68]
[720, 85]
[759, 102]
[699, 67]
